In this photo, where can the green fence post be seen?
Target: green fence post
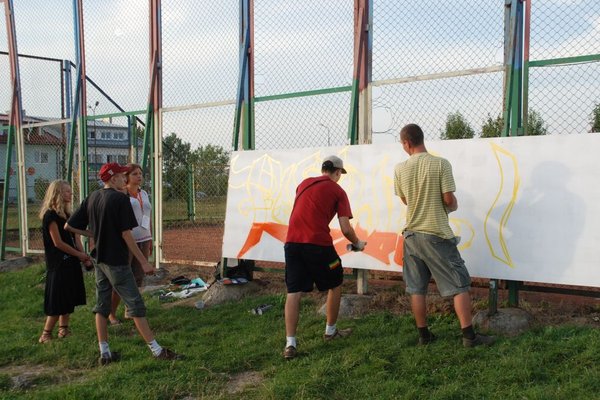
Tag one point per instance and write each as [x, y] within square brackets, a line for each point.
[493, 297]
[6, 190]
[191, 194]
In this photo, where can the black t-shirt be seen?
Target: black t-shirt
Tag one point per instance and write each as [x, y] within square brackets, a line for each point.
[54, 256]
[108, 214]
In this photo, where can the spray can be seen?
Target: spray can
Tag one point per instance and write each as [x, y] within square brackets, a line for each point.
[260, 310]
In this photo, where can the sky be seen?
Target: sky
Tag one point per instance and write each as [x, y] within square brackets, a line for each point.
[305, 46]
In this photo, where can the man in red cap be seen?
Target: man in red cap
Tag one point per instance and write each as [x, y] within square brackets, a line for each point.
[108, 214]
[310, 257]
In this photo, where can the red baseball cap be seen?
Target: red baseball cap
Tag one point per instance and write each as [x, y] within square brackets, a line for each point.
[108, 170]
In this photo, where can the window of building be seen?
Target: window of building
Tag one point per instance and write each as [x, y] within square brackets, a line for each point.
[119, 135]
[41, 157]
[122, 159]
[106, 135]
[110, 158]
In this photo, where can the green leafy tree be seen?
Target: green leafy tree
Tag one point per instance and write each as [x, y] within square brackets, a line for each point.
[595, 121]
[177, 154]
[492, 127]
[535, 124]
[211, 170]
[457, 127]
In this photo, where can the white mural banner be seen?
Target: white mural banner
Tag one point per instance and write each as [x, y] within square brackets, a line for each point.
[529, 207]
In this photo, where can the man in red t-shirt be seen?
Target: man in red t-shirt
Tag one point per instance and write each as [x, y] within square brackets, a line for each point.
[310, 257]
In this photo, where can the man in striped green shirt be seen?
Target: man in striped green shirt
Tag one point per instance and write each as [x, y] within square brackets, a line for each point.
[425, 184]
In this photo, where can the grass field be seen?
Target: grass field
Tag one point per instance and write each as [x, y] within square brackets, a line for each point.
[231, 353]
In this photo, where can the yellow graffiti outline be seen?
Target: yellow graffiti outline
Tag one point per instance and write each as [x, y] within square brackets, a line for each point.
[506, 214]
[465, 242]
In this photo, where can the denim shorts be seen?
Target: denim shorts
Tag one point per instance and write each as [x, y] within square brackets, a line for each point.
[427, 256]
[119, 277]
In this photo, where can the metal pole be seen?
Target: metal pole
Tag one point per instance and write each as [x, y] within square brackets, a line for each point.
[95, 160]
[191, 193]
[359, 129]
[155, 106]
[9, 148]
[526, 40]
[81, 101]
[248, 83]
[67, 153]
[15, 133]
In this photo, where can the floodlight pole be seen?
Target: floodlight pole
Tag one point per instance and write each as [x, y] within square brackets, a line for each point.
[14, 133]
[514, 108]
[153, 133]
[359, 125]
[79, 108]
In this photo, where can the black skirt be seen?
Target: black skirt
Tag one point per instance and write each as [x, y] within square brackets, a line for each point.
[64, 287]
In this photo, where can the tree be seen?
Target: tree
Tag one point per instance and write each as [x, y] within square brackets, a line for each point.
[177, 155]
[211, 170]
[457, 127]
[535, 124]
[492, 127]
[495, 127]
[595, 120]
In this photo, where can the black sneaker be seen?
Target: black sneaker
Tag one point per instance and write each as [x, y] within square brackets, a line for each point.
[107, 358]
[423, 341]
[290, 352]
[479, 340]
[338, 334]
[167, 354]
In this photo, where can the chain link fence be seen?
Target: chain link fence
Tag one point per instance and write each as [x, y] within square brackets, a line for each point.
[417, 51]
[565, 95]
[200, 74]
[45, 161]
[116, 47]
[438, 64]
[300, 47]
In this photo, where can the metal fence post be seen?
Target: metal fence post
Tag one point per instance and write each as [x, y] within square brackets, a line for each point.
[493, 297]
[81, 100]
[15, 134]
[359, 130]
[513, 91]
[191, 193]
[154, 116]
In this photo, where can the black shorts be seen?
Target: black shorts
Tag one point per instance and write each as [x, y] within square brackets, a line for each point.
[309, 264]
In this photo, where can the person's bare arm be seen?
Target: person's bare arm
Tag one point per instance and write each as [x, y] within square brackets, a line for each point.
[62, 246]
[349, 233]
[78, 231]
[78, 244]
[450, 201]
[137, 253]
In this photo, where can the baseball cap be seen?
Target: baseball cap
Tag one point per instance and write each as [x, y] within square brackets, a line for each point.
[108, 170]
[336, 162]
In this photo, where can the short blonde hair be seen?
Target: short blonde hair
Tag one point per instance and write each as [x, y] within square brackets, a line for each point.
[53, 200]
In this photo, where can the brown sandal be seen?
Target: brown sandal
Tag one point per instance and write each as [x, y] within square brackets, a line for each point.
[63, 331]
[46, 337]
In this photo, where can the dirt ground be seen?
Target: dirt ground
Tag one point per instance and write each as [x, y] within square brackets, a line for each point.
[185, 246]
[546, 308]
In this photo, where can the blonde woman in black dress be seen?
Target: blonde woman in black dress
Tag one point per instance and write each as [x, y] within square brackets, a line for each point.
[64, 254]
